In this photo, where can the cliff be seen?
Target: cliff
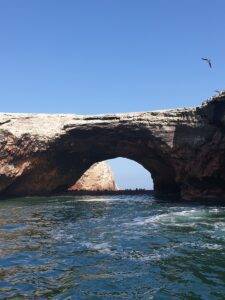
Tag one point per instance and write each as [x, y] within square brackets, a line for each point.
[184, 149]
[98, 177]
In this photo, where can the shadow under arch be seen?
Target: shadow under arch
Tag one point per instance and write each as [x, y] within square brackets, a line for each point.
[70, 155]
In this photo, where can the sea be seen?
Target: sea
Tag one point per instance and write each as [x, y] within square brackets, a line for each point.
[111, 247]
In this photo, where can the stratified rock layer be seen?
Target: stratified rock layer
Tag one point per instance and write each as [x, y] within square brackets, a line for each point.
[184, 149]
[98, 177]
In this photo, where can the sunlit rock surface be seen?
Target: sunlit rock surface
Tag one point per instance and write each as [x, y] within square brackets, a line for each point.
[184, 149]
[98, 177]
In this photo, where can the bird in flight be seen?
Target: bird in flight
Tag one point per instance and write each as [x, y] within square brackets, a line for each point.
[208, 61]
[217, 91]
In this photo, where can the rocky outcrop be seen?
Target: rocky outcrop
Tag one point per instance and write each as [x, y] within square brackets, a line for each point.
[184, 149]
[98, 177]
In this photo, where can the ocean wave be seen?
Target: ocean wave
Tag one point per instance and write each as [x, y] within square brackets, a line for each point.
[178, 218]
[104, 247]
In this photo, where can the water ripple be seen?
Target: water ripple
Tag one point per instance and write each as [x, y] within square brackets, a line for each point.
[128, 247]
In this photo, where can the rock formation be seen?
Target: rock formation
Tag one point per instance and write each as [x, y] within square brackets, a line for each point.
[184, 149]
[98, 177]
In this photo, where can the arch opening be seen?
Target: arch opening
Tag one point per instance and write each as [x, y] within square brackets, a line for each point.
[113, 175]
[130, 175]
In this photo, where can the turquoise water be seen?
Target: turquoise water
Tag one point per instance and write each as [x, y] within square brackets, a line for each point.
[111, 247]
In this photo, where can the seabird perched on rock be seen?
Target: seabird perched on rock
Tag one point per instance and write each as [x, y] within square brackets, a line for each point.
[208, 61]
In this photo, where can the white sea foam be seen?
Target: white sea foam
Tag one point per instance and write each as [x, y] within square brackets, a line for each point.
[101, 247]
[204, 245]
[62, 236]
[212, 246]
[106, 248]
[155, 256]
[220, 225]
[97, 199]
[146, 220]
[179, 218]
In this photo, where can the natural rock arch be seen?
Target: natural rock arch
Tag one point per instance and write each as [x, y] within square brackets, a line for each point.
[41, 154]
[84, 142]
[69, 156]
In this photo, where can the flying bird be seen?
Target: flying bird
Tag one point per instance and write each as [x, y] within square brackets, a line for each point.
[217, 91]
[208, 61]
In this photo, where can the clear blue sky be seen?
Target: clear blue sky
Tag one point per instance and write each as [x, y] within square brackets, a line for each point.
[98, 56]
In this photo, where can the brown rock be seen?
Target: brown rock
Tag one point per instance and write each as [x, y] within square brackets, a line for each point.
[98, 177]
[184, 149]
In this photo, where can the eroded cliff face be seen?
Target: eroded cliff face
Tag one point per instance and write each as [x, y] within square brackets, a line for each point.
[184, 149]
[99, 177]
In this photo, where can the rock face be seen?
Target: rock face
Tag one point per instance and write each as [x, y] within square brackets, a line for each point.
[98, 177]
[184, 149]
